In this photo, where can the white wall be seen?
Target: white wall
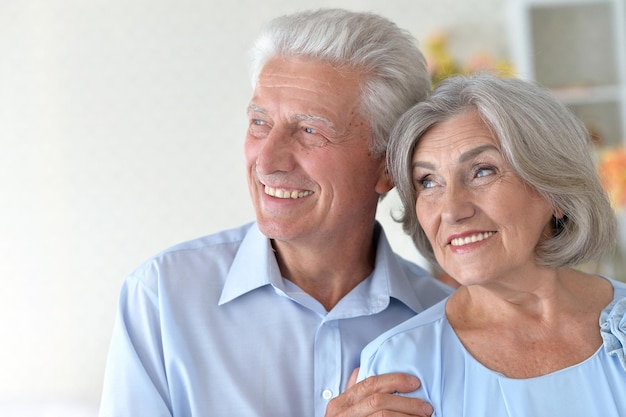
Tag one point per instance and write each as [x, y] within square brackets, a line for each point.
[121, 127]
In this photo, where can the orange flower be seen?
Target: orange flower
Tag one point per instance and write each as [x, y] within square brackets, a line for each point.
[612, 170]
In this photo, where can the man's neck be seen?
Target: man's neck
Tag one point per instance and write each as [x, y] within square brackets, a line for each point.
[327, 271]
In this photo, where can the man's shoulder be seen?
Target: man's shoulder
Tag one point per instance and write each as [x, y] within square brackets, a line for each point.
[427, 288]
[411, 268]
[224, 237]
[203, 253]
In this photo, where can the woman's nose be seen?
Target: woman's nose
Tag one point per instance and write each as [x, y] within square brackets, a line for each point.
[457, 205]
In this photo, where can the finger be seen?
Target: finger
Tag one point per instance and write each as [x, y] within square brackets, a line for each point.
[370, 387]
[370, 393]
[392, 405]
[353, 377]
[387, 383]
[380, 404]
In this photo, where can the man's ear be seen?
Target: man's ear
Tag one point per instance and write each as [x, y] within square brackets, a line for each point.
[385, 183]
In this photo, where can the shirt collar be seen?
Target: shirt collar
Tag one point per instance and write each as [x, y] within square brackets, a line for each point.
[255, 266]
[392, 269]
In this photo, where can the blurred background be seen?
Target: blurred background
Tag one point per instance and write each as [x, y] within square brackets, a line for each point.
[121, 132]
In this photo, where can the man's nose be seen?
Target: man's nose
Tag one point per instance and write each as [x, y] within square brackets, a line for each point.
[276, 152]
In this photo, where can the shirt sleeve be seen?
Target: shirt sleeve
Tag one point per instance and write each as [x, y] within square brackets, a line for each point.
[135, 382]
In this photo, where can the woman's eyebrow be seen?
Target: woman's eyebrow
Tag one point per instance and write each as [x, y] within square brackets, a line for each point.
[472, 153]
[466, 156]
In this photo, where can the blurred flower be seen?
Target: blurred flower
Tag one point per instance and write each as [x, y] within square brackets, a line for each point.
[612, 170]
[441, 63]
[485, 62]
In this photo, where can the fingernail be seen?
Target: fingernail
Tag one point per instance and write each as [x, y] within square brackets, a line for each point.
[428, 409]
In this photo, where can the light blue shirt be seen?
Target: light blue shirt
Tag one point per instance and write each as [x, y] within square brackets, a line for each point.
[210, 328]
[457, 385]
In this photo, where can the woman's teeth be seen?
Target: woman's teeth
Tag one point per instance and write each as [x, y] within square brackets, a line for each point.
[459, 241]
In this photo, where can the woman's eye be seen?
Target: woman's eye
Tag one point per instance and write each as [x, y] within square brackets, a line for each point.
[428, 184]
[484, 171]
[424, 183]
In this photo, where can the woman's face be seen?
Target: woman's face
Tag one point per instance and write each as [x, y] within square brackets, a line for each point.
[481, 219]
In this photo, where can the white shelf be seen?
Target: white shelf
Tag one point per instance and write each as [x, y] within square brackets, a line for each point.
[588, 95]
[577, 49]
[551, 3]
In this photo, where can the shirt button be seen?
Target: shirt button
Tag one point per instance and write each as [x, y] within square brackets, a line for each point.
[327, 394]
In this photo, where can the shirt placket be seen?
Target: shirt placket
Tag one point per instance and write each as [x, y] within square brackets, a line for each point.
[327, 365]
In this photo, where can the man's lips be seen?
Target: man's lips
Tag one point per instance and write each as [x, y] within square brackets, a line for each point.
[284, 193]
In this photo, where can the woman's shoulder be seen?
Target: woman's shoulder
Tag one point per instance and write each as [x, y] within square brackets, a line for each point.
[619, 288]
[423, 327]
[424, 321]
[613, 323]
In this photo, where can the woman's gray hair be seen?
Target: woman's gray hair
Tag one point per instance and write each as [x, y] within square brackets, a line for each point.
[546, 145]
[395, 70]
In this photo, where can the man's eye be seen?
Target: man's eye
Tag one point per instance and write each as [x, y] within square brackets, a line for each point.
[258, 128]
[310, 136]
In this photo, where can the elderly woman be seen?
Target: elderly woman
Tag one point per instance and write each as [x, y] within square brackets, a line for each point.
[499, 187]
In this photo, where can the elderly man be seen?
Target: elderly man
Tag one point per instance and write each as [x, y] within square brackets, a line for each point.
[269, 319]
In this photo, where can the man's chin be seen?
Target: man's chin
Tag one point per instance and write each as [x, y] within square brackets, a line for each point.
[277, 230]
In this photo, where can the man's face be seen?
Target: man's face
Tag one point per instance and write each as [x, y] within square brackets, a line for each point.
[310, 173]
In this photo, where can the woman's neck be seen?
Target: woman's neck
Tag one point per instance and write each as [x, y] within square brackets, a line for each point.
[533, 328]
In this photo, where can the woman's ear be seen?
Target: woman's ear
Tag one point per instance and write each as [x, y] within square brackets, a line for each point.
[558, 214]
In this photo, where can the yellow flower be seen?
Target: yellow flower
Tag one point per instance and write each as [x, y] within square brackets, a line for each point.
[441, 63]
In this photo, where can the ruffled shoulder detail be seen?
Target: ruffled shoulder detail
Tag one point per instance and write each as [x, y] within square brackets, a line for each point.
[613, 329]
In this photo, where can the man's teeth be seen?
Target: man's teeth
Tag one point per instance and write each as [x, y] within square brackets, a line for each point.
[278, 193]
[471, 239]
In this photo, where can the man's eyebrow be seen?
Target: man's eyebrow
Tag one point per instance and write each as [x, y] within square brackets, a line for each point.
[297, 117]
[313, 118]
[256, 109]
